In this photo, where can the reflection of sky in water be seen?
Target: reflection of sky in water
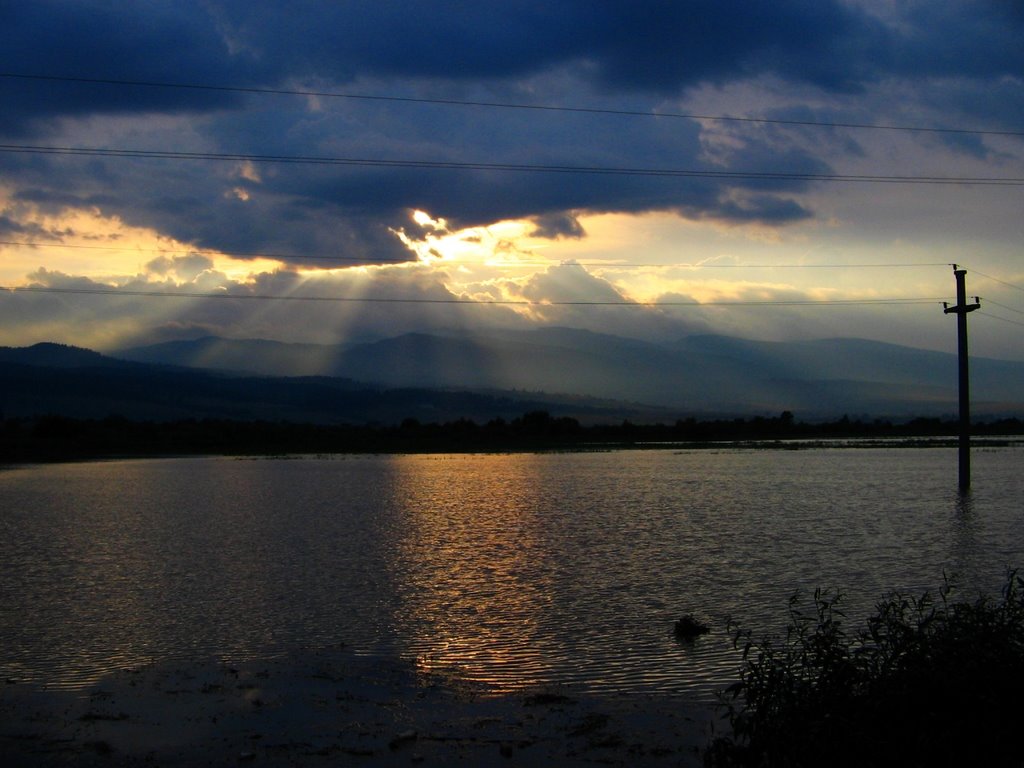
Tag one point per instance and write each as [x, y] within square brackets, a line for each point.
[510, 570]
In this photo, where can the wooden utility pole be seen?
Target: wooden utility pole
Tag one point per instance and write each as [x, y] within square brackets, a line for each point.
[960, 310]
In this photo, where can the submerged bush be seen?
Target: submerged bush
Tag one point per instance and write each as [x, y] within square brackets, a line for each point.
[924, 682]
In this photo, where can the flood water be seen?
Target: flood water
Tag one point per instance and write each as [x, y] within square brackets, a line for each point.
[512, 571]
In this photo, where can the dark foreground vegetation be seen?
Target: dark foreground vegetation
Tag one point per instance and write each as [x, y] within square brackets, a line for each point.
[59, 438]
[924, 683]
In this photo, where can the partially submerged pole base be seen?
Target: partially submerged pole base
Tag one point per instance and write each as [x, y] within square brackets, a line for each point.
[960, 310]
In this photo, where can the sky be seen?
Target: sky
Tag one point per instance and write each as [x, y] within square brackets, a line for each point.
[337, 171]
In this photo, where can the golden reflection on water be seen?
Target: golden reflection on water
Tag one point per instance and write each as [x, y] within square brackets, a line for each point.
[472, 556]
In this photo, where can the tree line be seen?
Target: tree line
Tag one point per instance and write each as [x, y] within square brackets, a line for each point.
[60, 438]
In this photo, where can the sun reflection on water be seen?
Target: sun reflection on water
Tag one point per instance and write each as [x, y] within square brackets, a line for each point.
[470, 558]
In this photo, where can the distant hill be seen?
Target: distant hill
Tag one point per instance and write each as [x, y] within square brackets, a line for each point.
[52, 355]
[69, 381]
[702, 375]
[269, 358]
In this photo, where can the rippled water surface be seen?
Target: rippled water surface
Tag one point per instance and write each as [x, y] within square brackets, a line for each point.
[510, 570]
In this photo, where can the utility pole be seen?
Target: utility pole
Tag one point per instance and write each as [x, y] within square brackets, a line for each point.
[960, 310]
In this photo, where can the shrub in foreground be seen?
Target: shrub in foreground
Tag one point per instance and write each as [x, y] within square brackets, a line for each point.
[925, 682]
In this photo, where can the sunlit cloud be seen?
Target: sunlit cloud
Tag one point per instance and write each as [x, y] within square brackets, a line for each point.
[104, 248]
[247, 170]
[185, 268]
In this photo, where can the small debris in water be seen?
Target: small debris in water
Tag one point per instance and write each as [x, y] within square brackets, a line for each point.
[403, 738]
[687, 628]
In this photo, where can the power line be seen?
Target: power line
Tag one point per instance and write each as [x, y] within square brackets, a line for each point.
[472, 302]
[1003, 319]
[362, 260]
[700, 265]
[505, 105]
[515, 167]
[996, 303]
[202, 252]
[997, 280]
[1003, 306]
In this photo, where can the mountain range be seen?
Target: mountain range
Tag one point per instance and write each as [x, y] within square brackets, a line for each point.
[696, 374]
[434, 377]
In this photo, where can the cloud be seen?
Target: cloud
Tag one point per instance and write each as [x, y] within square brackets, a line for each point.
[375, 303]
[763, 209]
[640, 50]
[619, 46]
[569, 295]
[321, 308]
[334, 204]
[186, 268]
[963, 39]
[623, 47]
[157, 41]
[351, 213]
[11, 227]
[651, 45]
[553, 226]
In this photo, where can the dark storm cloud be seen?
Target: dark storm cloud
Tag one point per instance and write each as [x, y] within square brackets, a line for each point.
[664, 46]
[12, 228]
[629, 52]
[556, 225]
[761, 209]
[966, 39]
[159, 40]
[659, 45]
[655, 45]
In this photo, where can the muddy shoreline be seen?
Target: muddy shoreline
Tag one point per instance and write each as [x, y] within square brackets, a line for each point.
[332, 707]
